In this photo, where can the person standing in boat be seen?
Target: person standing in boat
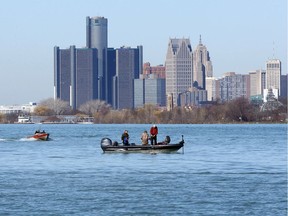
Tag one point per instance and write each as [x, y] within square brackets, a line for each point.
[145, 138]
[153, 134]
[125, 138]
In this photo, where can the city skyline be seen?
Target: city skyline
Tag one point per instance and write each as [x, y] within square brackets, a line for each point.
[239, 38]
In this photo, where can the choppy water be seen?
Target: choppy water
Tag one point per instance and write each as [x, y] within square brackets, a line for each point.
[225, 170]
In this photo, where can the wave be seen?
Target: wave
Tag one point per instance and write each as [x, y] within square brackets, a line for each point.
[27, 139]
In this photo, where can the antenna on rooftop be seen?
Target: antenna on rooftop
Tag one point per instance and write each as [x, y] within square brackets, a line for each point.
[200, 40]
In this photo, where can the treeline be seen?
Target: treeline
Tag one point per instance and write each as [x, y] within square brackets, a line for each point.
[235, 111]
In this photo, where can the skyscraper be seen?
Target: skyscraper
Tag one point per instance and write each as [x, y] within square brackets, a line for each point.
[273, 74]
[97, 37]
[255, 83]
[129, 63]
[149, 91]
[76, 77]
[202, 66]
[179, 68]
[233, 86]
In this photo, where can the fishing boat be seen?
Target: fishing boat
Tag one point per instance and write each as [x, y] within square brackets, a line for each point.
[40, 135]
[108, 146]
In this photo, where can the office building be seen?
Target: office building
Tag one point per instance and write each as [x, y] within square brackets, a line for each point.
[128, 67]
[256, 87]
[202, 66]
[212, 84]
[97, 37]
[273, 74]
[76, 75]
[149, 91]
[179, 69]
[111, 73]
[139, 92]
[283, 86]
[233, 86]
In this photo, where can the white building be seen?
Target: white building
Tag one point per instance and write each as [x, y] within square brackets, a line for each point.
[18, 109]
[273, 74]
[212, 85]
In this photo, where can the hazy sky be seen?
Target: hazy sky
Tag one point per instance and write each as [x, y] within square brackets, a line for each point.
[240, 35]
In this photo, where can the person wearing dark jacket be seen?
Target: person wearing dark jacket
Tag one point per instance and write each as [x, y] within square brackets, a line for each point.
[153, 134]
[125, 138]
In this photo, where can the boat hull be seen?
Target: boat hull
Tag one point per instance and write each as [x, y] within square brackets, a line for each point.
[107, 146]
[41, 136]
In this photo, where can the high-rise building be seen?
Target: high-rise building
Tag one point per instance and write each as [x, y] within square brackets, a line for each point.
[97, 37]
[76, 75]
[129, 63]
[233, 86]
[139, 92]
[212, 84]
[256, 87]
[149, 91]
[283, 86]
[179, 68]
[111, 72]
[273, 74]
[202, 66]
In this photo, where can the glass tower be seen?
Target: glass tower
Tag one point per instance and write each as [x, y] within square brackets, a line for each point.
[97, 37]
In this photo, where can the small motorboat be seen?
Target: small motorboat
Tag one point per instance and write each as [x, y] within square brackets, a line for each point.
[108, 146]
[40, 135]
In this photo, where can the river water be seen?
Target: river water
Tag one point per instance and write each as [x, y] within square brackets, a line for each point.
[222, 170]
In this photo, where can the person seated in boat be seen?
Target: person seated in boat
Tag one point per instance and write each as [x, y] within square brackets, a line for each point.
[145, 138]
[125, 138]
[153, 134]
[166, 141]
[37, 131]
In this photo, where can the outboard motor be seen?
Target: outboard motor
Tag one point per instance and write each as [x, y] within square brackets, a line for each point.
[106, 142]
[167, 139]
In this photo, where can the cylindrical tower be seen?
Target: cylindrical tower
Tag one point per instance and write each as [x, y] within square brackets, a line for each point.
[97, 37]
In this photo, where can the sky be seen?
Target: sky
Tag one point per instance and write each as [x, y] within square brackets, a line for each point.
[240, 35]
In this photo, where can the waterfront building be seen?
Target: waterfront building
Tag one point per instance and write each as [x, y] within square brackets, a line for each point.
[212, 85]
[283, 86]
[24, 109]
[233, 86]
[255, 83]
[149, 91]
[128, 66]
[111, 73]
[179, 69]
[263, 81]
[76, 75]
[273, 74]
[97, 37]
[202, 65]
[139, 92]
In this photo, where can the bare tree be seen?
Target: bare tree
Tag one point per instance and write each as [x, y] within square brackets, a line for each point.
[95, 106]
[239, 109]
[58, 106]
